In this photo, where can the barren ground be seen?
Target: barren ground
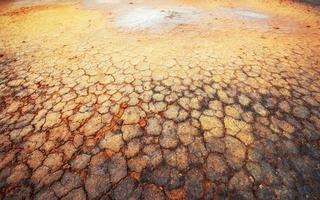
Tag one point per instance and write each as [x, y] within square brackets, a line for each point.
[112, 99]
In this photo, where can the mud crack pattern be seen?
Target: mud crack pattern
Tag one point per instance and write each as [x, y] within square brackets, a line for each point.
[88, 111]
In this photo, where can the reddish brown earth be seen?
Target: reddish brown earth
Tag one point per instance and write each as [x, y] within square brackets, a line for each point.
[171, 100]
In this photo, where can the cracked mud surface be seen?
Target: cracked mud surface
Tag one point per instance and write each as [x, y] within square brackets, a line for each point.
[224, 109]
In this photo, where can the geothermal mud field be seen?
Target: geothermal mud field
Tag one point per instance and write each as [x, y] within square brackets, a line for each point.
[174, 99]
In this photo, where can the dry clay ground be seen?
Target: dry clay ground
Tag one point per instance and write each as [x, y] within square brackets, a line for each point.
[171, 100]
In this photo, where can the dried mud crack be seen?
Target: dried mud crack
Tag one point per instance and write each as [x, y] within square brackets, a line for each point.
[185, 100]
